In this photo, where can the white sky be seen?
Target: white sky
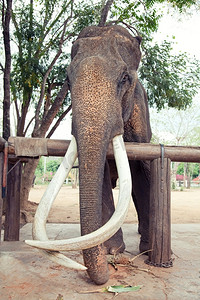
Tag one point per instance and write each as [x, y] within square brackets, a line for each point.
[186, 30]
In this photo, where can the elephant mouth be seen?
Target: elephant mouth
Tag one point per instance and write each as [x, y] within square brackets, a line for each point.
[51, 248]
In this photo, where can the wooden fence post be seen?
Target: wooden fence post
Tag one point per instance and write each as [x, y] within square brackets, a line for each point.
[12, 219]
[1, 198]
[160, 216]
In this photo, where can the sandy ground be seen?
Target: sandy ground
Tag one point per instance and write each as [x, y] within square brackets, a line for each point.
[185, 206]
[26, 274]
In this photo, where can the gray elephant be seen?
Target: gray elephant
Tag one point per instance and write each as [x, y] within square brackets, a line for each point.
[107, 101]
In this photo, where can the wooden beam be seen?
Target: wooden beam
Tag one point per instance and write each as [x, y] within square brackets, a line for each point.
[160, 221]
[12, 219]
[1, 198]
[135, 151]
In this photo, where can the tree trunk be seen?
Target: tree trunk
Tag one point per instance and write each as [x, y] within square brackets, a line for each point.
[173, 174]
[6, 100]
[27, 180]
[104, 12]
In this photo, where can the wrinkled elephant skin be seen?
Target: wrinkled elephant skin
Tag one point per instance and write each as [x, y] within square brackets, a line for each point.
[107, 100]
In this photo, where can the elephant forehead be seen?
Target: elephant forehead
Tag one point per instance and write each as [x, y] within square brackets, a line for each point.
[95, 46]
[112, 47]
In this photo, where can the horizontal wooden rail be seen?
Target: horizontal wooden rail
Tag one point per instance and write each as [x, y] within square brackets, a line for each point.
[135, 151]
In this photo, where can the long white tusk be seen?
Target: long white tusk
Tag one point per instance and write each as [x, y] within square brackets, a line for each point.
[39, 224]
[42, 212]
[110, 228]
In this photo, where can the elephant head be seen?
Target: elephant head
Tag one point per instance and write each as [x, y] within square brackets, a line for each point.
[102, 78]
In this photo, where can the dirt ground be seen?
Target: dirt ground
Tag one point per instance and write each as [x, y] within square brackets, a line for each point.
[26, 274]
[185, 206]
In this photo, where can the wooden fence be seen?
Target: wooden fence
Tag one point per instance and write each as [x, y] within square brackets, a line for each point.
[160, 157]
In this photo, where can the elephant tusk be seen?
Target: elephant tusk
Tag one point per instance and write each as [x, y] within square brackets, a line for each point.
[62, 260]
[110, 228]
[42, 212]
[40, 219]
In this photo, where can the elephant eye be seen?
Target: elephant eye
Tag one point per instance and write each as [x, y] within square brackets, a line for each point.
[125, 77]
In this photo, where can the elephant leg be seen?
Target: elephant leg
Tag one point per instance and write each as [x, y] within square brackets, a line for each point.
[140, 172]
[115, 244]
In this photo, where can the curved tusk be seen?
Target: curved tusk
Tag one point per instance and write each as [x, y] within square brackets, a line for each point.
[62, 260]
[42, 212]
[110, 228]
[40, 219]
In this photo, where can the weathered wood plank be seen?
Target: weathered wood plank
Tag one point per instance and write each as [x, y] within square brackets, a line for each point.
[1, 198]
[12, 218]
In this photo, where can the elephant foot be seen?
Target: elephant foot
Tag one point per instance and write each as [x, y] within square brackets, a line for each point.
[144, 247]
[114, 248]
[115, 244]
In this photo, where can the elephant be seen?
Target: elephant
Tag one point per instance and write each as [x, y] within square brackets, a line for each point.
[108, 101]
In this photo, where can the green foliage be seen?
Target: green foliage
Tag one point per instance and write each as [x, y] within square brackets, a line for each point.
[53, 165]
[180, 4]
[145, 21]
[192, 169]
[86, 14]
[169, 79]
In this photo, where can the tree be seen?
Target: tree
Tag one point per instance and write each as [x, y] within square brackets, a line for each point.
[179, 127]
[53, 165]
[180, 76]
[38, 77]
[192, 169]
[6, 16]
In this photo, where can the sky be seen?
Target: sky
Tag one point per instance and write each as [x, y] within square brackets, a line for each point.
[185, 28]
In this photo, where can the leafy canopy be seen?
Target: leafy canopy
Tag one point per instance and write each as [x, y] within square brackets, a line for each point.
[169, 79]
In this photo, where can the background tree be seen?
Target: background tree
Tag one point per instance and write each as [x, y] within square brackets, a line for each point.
[6, 17]
[180, 76]
[177, 127]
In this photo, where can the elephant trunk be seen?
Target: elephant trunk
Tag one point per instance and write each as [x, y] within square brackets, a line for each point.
[92, 154]
[92, 126]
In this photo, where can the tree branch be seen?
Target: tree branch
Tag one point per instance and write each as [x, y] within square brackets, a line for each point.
[28, 125]
[2, 68]
[37, 119]
[42, 38]
[58, 122]
[46, 122]
[131, 28]
[104, 12]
